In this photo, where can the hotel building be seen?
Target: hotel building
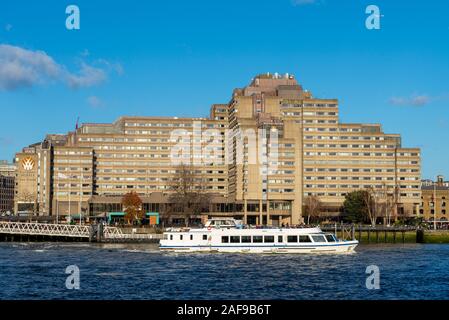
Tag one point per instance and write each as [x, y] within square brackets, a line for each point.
[262, 153]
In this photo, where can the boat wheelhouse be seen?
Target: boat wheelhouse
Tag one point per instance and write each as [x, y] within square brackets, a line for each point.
[228, 235]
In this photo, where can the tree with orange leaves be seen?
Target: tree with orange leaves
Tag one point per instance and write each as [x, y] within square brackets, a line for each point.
[132, 205]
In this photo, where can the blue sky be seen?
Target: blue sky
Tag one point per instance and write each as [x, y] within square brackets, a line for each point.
[176, 58]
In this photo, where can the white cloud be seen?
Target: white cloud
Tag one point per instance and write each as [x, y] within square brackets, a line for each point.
[22, 68]
[95, 102]
[415, 100]
[88, 76]
[115, 66]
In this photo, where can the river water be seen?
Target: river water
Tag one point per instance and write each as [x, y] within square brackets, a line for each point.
[126, 271]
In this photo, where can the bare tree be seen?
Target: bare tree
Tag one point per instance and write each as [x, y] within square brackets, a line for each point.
[313, 207]
[389, 203]
[373, 205]
[189, 195]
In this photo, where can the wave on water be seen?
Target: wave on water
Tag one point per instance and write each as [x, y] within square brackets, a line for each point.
[140, 251]
[109, 274]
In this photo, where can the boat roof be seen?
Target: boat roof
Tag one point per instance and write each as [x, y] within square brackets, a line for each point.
[264, 231]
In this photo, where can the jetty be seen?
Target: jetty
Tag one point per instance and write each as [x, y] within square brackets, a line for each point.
[34, 231]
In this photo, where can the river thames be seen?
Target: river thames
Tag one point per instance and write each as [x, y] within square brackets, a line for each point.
[129, 271]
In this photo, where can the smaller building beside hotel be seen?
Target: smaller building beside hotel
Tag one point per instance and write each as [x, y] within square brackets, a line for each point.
[7, 182]
[434, 204]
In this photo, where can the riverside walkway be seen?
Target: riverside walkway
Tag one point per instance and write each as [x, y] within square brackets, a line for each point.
[76, 232]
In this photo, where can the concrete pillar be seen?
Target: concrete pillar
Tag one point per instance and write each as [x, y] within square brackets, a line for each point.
[268, 214]
[245, 212]
[260, 212]
[296, 212]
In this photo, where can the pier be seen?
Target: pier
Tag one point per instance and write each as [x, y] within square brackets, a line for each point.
[377, 234]
[26, 231]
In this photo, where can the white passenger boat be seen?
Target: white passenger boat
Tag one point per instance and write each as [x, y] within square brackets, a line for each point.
[226, 235]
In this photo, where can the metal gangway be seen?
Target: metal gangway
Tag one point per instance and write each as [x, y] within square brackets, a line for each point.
[66, 230]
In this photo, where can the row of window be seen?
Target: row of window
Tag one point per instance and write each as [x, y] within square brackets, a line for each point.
[366, 138]
[355, 186]
[142, 171]
[280, 239]
[358, 170]
[154, 187]
[346, 154]
[432, 211]
[310, 113]
[364, 146]
[343, 194]
[79, 161]
[266, 239]
[309, 105]
[168, 131]
[362, 178]
[359, 162]
[177, 125]
[74, 153]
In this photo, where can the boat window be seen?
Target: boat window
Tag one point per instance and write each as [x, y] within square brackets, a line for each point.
[204, 236]
[257, 239]
[225, 239]
[180, 237]
[280, 239]
[330, 238]
[292, 238]
[304, 239]
[318, 238]
[268, 239]
[171, 237]
[246, 239]
[235, 239]
[191, 237]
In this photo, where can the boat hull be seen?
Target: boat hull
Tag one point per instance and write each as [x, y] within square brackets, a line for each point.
[332, 248]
